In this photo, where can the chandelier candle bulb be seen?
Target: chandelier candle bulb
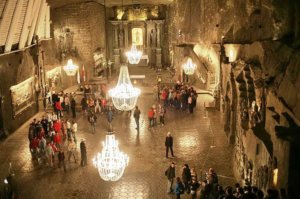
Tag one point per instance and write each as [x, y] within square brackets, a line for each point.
[70, 68]
[134, 56]
[111, 162]
[124, 95]
[189, 67]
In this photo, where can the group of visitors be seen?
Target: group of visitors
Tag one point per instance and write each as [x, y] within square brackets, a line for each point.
[61, 102]
[181, 97]
[51, 137]
[211, 189]
[154, 113]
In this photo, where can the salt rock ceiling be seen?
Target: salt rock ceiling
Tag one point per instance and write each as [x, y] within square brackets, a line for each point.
[109, 3]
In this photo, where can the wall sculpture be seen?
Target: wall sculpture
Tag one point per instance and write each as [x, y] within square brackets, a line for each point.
[22, 96]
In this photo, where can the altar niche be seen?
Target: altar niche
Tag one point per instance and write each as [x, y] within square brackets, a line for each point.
[141, 25]
[137, 36]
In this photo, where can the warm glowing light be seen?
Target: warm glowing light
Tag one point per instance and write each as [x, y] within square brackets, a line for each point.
[124, 95]
[275, 176]
[111, 162]
[134, 56]
[70, 68]
[189, 67]
[231, 56]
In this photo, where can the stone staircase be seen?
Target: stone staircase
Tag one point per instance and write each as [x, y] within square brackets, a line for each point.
[212, 85]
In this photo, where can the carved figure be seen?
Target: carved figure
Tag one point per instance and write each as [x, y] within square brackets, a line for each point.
[153, 38]
[121, 38]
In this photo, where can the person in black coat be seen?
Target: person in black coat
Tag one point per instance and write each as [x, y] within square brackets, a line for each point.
[170, 174]
[169, 144]
[186, 177]
[73, 107]
[83, 153]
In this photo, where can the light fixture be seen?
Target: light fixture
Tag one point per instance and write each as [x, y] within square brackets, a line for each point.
[189, 67]
[134, 56]
[110, 162]
[124, 95]
[70, 68]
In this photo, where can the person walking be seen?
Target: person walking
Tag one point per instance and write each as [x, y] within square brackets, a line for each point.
[186, 178]
[74, 130]
[97, 105]
[161, 112]
[169, 144]
[110, 117]
[73, 107]
[170, 174]
[83, 153]
[92, 120]
[150, 117]
[71, 150]
[136, 115]
[61, 159]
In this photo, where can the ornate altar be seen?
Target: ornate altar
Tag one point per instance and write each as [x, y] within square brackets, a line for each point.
[140, 25]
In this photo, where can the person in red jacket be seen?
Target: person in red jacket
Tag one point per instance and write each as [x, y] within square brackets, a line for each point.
[57, 139]
[150, 117]
[34, 144]
[59, 109]
[57, 126]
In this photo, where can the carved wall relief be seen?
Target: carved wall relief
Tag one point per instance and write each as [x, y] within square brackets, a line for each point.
[22, 96]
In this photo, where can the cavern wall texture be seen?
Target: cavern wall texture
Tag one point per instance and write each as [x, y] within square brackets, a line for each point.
[251, 49]
[79, 29]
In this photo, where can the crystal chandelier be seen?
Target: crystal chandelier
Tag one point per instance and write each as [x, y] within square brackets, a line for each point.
[110, 162]
[70, 68]
[124, 95]
[134, 56]
[189, 67]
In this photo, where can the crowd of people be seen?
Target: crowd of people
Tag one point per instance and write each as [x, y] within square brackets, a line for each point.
[179, 97]
[210, 188]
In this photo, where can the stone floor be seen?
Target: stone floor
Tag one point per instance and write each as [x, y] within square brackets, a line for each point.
[199, 140]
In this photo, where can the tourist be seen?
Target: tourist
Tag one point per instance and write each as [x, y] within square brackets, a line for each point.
[194, 174]
[136, 115]
[150, 117]
[97, 105]
[186, 178]
[169, 144]
[161, 112]
[74, 130]
[92, 120]
[109, 118]
[83, 161]
[194, 185]
[170, 174]
[179, 188]
[67, 103]
[73, 107]
[72, 150]
[61, 159]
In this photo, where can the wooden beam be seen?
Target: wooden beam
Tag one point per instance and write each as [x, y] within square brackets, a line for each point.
[13, 26]
[34, 20]
[6, 20]
[47, 28]
[27, 21]
[40, 25]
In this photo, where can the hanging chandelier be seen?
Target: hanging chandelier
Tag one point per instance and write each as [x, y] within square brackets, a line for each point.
[70, 68]
[110, 162]
[124, 95]
[189, 67]
[134, 56]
